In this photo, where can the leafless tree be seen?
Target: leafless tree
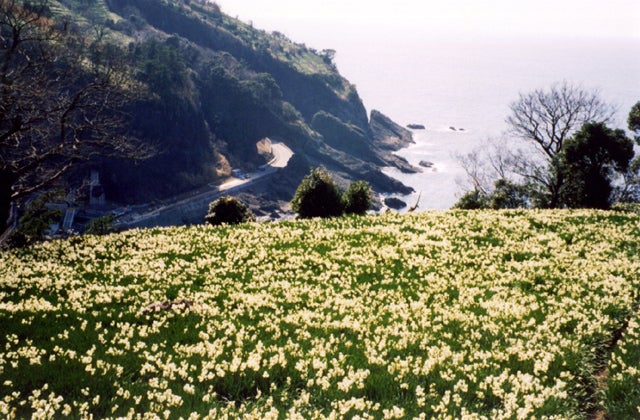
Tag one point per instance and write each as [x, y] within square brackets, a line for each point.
[485, 165]
[62, 101]
[547, 118]
[475, 167]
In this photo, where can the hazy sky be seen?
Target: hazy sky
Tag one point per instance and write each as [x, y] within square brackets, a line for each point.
[597, 18]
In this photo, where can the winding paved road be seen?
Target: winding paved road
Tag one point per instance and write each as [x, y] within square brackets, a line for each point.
[281, 155]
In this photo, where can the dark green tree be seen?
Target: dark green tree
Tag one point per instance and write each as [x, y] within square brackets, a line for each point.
[634, 121]
[35, 222]
[357, 198]
[317, 196]
[589, 161]
[162, 67]
[509, 195]
[630, 190]
[228, 210]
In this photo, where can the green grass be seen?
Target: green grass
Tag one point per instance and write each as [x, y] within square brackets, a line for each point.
[486, 314]
[622, 393]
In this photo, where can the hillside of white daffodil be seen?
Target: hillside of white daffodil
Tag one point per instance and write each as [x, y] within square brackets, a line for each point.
[506, 314]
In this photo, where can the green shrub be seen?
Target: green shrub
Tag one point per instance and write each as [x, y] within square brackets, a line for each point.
[228, 210]
[317, 196]
[100, 226]
[627, 207]
[357, 198]
[34, 225]
[508, 195]
[472, 200]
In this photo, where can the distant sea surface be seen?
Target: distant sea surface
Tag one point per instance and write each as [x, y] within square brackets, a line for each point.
[468, 84]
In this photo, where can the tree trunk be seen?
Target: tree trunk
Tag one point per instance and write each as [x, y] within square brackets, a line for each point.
[7, 178]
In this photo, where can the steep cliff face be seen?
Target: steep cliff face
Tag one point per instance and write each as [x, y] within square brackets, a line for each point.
[387, 134]
[307, 80]
[217, 86]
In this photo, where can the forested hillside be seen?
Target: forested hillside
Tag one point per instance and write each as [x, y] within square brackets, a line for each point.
[216, 86]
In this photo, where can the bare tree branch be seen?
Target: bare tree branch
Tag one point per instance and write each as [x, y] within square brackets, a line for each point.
[548, 118]
[62, 99]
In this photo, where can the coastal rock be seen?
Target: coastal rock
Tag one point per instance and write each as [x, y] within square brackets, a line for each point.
[416, 126]
[387, 134]
[426, 164]
[385, 183]
[388, 137]
[394, 203]
[401, 163]
[344, 136]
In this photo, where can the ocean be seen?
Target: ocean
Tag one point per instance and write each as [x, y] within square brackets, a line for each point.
[468, 84]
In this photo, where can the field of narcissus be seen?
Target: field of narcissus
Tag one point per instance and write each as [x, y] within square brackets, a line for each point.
[511, 314]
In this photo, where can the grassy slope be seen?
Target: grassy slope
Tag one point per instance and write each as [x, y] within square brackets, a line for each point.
[492, 314]
[279, 47]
